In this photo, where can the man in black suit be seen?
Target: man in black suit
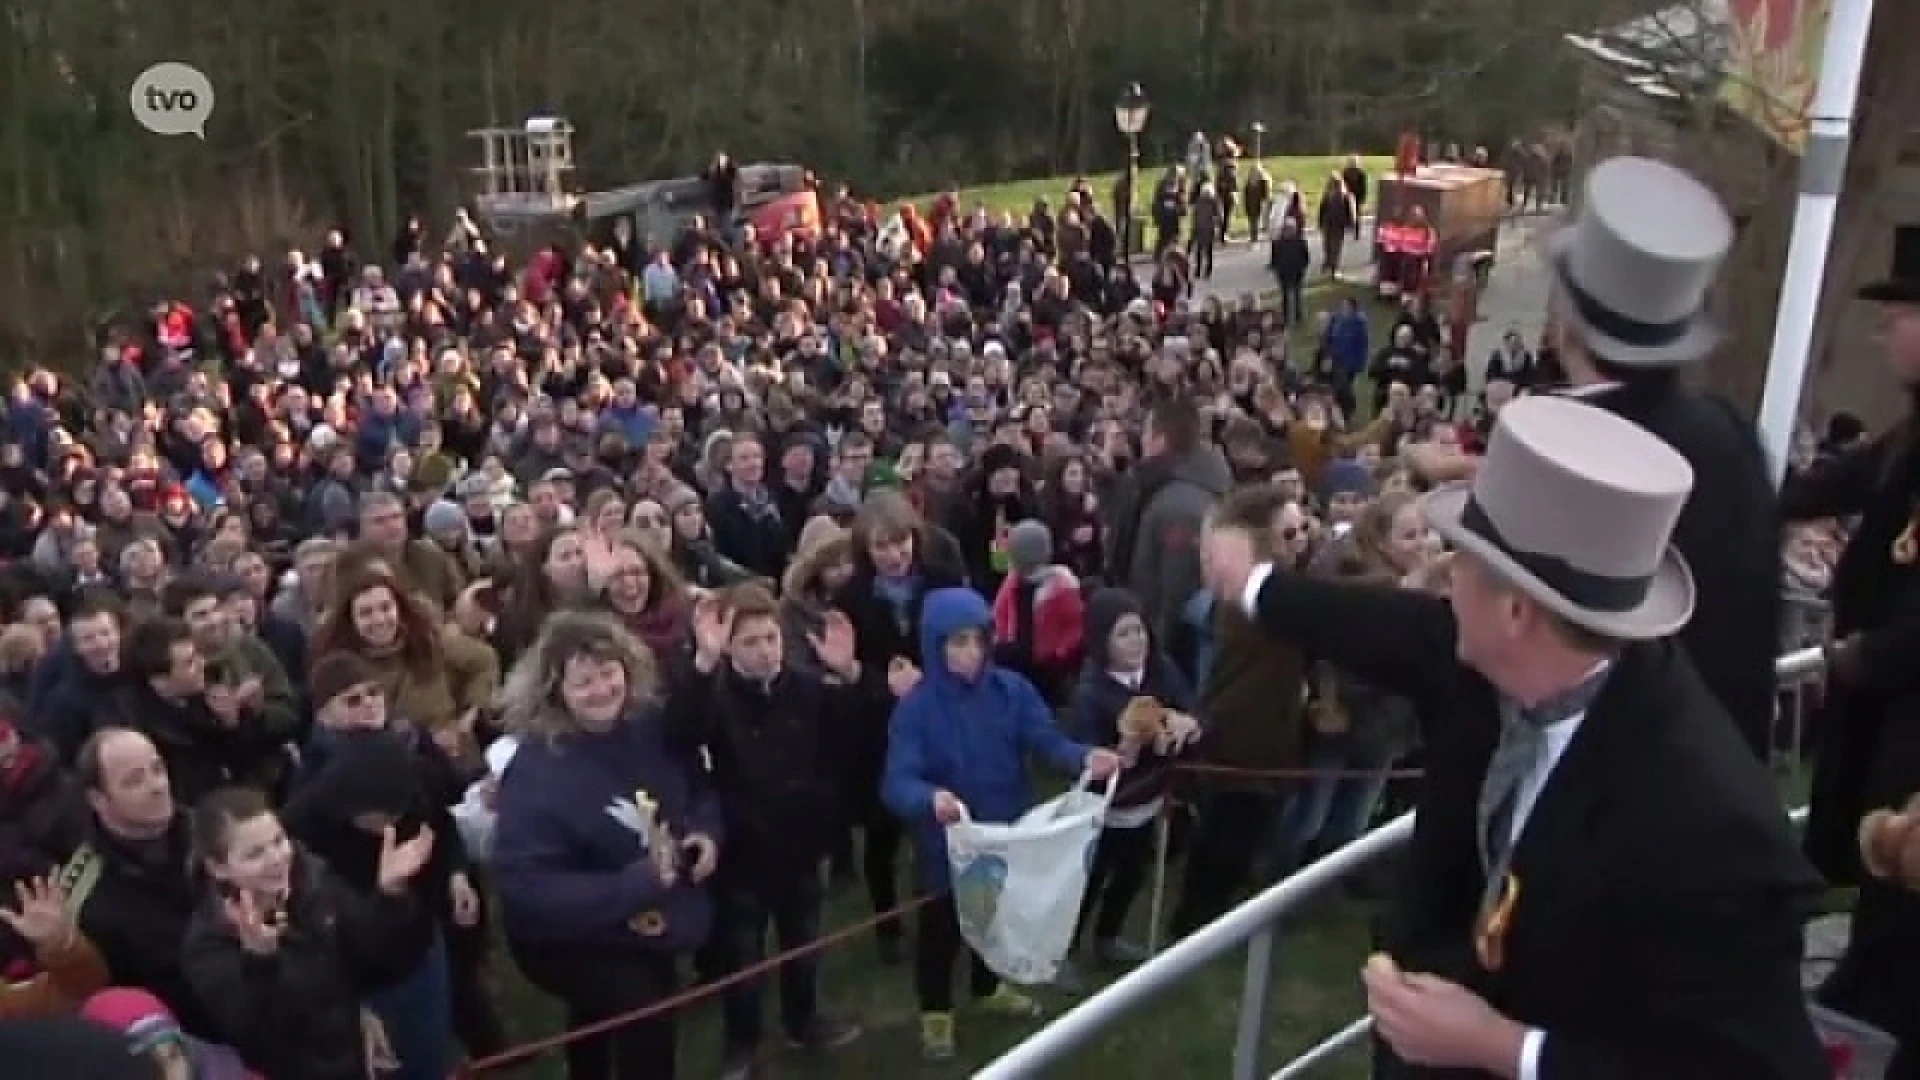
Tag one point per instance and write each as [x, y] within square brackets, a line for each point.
[1627, 325]
[1869, 745]
[1628, 328]
[1602, 882]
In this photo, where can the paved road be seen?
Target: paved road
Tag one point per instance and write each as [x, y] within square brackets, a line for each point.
[1516, 293]
[1240, 266]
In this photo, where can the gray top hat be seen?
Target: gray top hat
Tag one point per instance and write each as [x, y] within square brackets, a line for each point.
[1636, 263]
[1575, 506]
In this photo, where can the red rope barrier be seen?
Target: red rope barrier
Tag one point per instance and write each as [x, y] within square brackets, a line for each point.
[528, 1051]
[1204, 769]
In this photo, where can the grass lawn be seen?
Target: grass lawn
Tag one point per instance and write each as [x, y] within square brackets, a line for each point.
[1190, 1033]
[1309, 172]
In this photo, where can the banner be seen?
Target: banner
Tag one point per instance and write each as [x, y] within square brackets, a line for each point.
[1773, 62]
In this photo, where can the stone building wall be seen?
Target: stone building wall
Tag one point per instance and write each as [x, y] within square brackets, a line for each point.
[1759, 183]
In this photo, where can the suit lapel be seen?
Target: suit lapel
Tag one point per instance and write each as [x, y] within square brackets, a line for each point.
[1595, 760]
[1547, 858]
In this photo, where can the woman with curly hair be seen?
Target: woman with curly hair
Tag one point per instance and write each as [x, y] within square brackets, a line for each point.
[605, 839]
[435, 677]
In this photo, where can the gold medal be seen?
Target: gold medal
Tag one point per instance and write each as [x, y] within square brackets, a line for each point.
[1490, 936]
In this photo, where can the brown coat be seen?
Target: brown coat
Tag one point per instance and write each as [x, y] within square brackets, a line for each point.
[1254, 704]
[68, 975]
[1310, 451]
[466, 679]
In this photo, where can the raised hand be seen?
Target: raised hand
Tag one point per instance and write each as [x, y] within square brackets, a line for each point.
[712, 632]
[601, 558]
[834, 645]
[902, 676]
[41, 916]
[1431, 576]
[258, 933]
[400, 862]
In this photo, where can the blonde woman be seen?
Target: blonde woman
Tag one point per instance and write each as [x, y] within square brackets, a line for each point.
[1358, 732]
[605, 839]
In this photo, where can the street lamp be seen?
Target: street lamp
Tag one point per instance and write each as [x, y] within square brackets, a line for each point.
[1130, 116]
[1259, 132]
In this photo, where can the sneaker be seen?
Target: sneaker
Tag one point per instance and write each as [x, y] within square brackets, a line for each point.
[825, 1033]
[1119, 952]
[1006, 1001]
[936, 1036]
[1068, 979]
[740, 1065]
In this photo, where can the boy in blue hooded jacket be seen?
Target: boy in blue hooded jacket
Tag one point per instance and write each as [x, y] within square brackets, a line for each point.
[960, 740]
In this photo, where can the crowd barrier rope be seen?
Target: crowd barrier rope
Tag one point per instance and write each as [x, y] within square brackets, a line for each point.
[527, 1051]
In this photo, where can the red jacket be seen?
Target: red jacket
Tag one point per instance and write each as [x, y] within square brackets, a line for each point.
[1059, 616]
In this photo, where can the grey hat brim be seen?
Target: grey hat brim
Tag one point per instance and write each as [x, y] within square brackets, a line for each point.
[1664, 611]
[1703, 335]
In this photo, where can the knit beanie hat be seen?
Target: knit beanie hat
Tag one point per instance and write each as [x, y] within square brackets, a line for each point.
[139, 1015]
[335, 674]
[1346, 476]
[1029, 546]
[444, 517]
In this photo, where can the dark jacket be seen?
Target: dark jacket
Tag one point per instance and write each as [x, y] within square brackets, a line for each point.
[1099, 699]
[135, 900]
[1729, 533]
[1290, 258]
[1869, 739]
[201, 752]
[73, 706]
[779, 752]
[1155, 531]
[1657, 928]
[883, 632]
[43, 817]
[399, 776]
[755, 540]
[568, 872]
[295, 1015]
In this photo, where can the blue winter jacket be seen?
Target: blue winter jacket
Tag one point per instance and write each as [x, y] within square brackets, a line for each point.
[969, 737]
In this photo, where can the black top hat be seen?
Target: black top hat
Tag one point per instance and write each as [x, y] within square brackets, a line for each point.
[1902, 286]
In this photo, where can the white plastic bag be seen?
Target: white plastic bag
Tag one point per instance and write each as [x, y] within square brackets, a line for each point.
[473, 814]
[1017, 888]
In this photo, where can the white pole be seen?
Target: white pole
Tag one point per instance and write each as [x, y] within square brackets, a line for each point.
[1822, 168]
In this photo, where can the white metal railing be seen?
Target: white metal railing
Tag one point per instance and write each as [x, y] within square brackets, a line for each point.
[1253, 924]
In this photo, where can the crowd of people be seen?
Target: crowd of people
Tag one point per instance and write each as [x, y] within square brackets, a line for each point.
[612, 604]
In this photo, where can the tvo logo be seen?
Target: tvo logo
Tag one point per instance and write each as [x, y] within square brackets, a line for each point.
[172, 99]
